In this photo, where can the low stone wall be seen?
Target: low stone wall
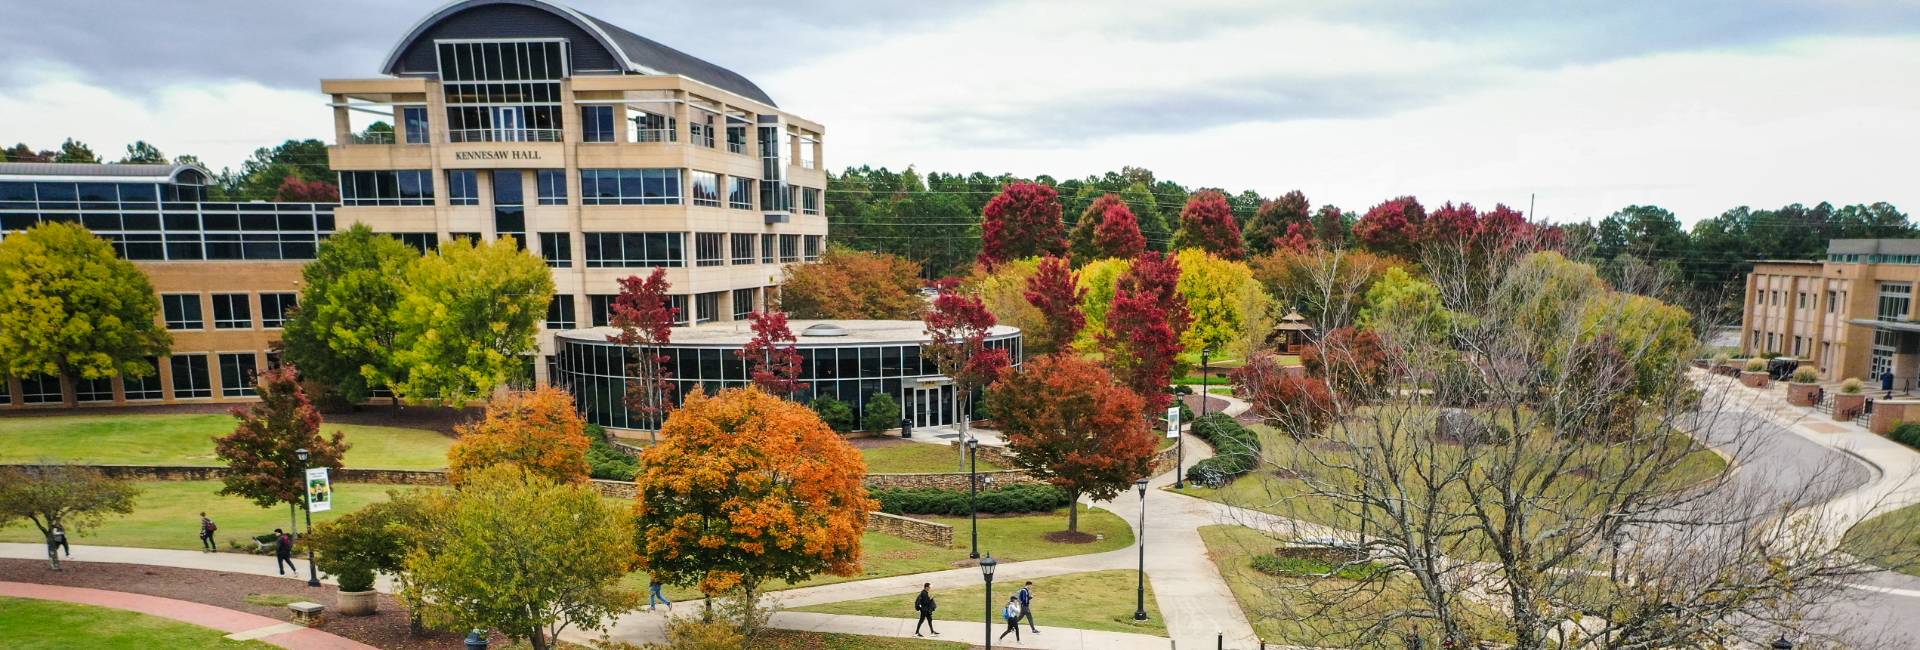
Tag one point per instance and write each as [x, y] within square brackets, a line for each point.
[1164, 460]
[925, 532]
[615, 489]
[1323, 553]
[196, 473]
[951, 480]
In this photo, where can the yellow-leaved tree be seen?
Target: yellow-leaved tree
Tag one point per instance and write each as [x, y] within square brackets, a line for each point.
[539, 430]
[1220, 295]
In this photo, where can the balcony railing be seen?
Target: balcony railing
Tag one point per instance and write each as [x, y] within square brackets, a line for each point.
[655, 135]
[503, 135]
[374, 137]
[737, 147]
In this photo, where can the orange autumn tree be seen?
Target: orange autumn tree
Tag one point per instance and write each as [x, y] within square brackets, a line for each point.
[1067, 422]
[538, 430]
[746, 488]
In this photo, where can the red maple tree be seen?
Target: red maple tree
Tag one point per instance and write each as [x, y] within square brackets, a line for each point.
[645, 315]
[1393, 227]
[1055, 290]
[775, 368]
[1022, 221]
[1068, 423]
[1118, 234]
[1353, 362]
[957, 326]
[1144, 326]
[1330, 224]
[1081, 244]
[1299, 405]
[1273, 220]
[1299, 239]
[294, 190]
[1207, 223]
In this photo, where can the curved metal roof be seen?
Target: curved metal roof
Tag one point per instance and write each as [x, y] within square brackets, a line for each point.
[637, 54]
[156, 172]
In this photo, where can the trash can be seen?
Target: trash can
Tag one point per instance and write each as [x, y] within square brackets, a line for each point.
[906, 428]
[477, 640]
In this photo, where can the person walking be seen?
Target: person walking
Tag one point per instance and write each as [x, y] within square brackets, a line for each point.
[1012, 614]
[206, 533]
[925, 605]
[283, 553]
[654, 595]
[1026, 606]
[60, 540]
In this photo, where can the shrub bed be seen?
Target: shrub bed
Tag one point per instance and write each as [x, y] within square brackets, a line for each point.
[604, 461]
[1275, 565]
[933, 501]
[1236, 450]
[1907, 433]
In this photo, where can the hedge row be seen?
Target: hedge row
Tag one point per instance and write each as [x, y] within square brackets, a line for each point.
[934, 501]
[604, 461]
[1906, 433]
[1236, 450]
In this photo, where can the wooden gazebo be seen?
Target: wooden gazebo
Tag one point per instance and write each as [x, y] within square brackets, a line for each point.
[1292, 334]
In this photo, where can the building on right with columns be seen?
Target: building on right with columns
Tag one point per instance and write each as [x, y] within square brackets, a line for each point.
[1849, 315]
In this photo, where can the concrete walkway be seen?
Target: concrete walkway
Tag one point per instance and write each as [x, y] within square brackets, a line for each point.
[258, 565]
[240, 626]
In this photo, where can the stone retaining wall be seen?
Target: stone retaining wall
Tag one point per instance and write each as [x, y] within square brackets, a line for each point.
[951, 480]
[1164, 460]
[925, 532]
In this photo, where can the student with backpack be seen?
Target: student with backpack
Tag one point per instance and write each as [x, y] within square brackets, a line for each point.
[59, 540]
[1026, 606]
[206, 533]
[1012, 614]
[925, 605]
[283, 553]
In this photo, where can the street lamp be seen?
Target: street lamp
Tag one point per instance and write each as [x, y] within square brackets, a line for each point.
[986, 571]
[313, 574]
[1140, 591]
[973, 494]
[1782, 643]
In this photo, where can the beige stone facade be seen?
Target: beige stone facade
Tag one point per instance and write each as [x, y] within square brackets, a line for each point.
[1851, 315]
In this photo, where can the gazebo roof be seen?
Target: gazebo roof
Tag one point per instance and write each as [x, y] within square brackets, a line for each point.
[1294, 321]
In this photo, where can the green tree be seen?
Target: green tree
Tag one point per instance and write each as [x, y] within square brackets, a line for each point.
[1146, 208]
[70, 308]
[75, 151]
[1400, 304]
[1099, 279]
[141, 152]
[260, 177]
[467, 320]
[517, 552]
[344, 334]
[72, 497]
[262, 453]
[883, 412]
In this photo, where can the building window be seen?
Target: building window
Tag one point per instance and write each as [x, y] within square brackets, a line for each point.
[739, 193]
[625, 249]
[809, 200]
[560, 313]
[237, 374]
[415, 120]
[736, 138]
[705, 187]
[707, 307]
[557, 248]
[600, 308]
[99, 389]
[710, 249]
[463, 187]
[700, 127]
[812, 247]
[392, 187]
[472, 238]
[277, 308]
[742, 303]
[144, 388]
[553, 186]
[630, 186]
[503, 91]
[596, 124]
[1803, 300]
[681, 313]
[1896, 298]
[425, 242]
[190, 376]
[1830, 301]
[789, 248]
[509, 211]
[231, 312]
[41, 389]
[182, 311]
[742, 248]
[653, 127]
[769, 245]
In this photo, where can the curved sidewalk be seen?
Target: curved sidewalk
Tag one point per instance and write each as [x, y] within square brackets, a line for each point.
[240, 626]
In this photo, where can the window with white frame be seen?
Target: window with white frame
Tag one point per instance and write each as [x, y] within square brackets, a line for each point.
[789, 248]
[742, 248]
[769, 247]
[710, 249]
[463, 187]
[231, 312]
[41, 389]
[277, 308]
[742, 303]
[560, 313]
[708, 307]
[739, 193]
[389, 187]
[630, 186]
[182, 311]
[630, 249]
[98, 389]
[700, 127]
[552, 186]
[557, 248]
[705, 188]
[191, 378]
[237, 374]
[811, 248]
[597, 124]
[144, 388]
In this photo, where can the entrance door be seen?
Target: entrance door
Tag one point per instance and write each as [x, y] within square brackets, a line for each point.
[509, 124]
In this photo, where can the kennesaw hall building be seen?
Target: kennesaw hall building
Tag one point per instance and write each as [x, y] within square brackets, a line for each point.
[1849, 315]
[600, 150]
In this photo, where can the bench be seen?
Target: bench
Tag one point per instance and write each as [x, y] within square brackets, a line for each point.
[306, 613]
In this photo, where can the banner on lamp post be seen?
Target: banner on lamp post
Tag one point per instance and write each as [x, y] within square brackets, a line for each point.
[1173, 422]
[319, 490]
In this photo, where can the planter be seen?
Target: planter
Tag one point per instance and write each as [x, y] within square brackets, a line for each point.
[356, 603]
[1756, 379]
[1802, 394]
[1847, 407]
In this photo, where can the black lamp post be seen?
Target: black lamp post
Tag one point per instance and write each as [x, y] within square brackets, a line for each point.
[986, 571]
[1140, 591]
[973, 494]
[313, 574]
[1782, 643]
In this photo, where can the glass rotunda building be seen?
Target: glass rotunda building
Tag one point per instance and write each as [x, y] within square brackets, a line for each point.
[849, 360]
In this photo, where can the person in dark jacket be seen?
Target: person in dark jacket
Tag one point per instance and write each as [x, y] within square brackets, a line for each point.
[60, 540]
[283, 553]
[206, 533]
[1026, 606]
[925, 605]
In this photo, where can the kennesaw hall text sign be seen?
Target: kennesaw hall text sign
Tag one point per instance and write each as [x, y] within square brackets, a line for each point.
[501, 155]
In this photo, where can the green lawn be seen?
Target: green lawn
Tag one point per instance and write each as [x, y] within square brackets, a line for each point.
[907, 457]
[27, 624]
[1008, 539]
[1096, 600]
[167, 515]
[1279, 608]
[187, 439]
[1890, 541]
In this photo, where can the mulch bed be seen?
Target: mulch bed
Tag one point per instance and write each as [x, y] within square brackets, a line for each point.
[1214, 404]
[385, 629]
[1067, 537]
[433, 418]
[871, 442]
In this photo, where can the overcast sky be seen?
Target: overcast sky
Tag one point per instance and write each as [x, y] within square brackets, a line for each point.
[1697, 107]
